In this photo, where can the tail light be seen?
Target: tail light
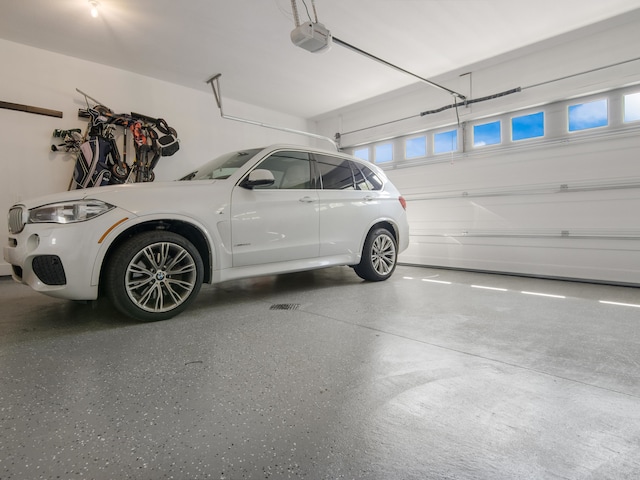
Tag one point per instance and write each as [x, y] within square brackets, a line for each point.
[403, 202]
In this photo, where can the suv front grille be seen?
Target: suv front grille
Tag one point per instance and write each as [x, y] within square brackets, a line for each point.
[16, 219]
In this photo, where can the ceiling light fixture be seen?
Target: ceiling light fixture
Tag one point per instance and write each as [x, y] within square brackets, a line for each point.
[94, 8]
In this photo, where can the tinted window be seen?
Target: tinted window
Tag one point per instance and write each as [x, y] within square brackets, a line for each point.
[358, 176]
[291, 170]
[370, 179]
[335, 172]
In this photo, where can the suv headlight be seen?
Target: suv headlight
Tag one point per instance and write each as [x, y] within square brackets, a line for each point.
[69, 212]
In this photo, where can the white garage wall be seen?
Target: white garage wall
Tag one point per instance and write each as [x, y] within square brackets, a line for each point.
[566, 206]
[40, 78]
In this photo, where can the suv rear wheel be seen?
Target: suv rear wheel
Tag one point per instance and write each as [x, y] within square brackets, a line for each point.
[379, 256]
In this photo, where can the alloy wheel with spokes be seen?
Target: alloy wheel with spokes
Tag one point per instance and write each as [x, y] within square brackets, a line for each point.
[160, 277]
[154, 275]
[383, 255]
[379, 256]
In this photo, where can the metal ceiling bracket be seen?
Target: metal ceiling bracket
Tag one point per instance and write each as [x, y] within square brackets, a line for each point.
[214, 81]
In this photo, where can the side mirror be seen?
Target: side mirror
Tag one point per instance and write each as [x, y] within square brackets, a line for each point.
[257, 178]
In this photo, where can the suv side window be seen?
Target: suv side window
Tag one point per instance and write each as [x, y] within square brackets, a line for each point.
[291, 170]
[335, 172]
[361, 181]
[366, 179]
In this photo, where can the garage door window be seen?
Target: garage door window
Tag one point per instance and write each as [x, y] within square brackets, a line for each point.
[487, 134]
[632, 107]
[527, 126]
[583, 116]
[415, 147]
[362, 153]
[445, 142]
[384, 153]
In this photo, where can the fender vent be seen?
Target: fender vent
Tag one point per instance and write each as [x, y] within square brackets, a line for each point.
[284, 306]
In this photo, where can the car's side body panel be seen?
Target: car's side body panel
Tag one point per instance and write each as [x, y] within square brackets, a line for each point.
[345, 218]
[269, 226]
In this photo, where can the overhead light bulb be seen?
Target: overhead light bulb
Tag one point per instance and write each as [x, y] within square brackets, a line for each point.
[94, 8]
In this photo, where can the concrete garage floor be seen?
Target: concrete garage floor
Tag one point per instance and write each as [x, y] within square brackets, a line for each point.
[407, 379]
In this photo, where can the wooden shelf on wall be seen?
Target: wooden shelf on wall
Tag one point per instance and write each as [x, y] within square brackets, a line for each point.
[29, 109]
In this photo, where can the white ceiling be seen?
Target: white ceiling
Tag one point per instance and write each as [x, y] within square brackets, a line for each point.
[186, 42]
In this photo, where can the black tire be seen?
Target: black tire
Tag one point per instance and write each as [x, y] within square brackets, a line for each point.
[120, 171]
[154, 276]
[379, 256]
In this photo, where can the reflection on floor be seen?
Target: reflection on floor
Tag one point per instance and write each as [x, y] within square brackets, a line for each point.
[432, 374]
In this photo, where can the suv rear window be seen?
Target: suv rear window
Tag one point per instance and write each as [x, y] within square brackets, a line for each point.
[335, 172]
[342, 174]
[368, 179]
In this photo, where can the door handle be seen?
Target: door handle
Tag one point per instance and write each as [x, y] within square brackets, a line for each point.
[369, 198]
[306, 199]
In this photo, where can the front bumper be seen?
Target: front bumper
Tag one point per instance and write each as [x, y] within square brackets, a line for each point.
[58, 260]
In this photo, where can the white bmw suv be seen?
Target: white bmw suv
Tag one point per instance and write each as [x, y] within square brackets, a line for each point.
[150, 246]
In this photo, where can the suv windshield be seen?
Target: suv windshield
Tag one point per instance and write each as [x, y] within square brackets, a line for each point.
[223, 166]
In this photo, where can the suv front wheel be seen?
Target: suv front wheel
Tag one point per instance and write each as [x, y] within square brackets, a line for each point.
[154, 275]
[379, 256]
